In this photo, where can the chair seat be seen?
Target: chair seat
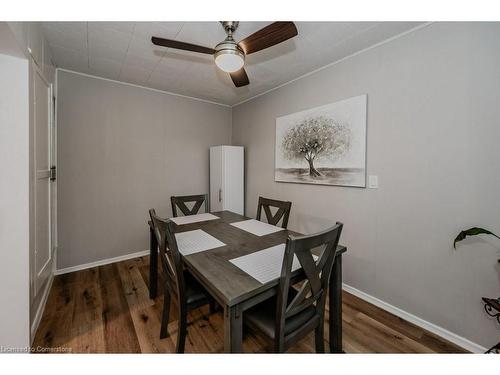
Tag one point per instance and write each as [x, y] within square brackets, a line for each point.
[263, 316]
[196, 295]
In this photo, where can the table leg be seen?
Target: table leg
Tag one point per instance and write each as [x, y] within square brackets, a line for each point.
[153, 264]
[233, 329]
[335, 305]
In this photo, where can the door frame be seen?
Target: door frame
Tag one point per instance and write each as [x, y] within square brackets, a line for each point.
[48, 266]
[53, 161]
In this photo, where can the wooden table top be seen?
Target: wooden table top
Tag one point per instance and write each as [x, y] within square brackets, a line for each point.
[224, 280]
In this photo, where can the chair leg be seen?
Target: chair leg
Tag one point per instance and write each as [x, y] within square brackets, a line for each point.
[181, 333]
[278, 346]
[319, 337]
[165, 315]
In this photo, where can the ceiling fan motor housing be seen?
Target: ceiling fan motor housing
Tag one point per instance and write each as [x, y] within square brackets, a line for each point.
[229, 46]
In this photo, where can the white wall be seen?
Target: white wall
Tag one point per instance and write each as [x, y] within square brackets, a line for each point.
[14, 202]
[433, 140]
[123, 149]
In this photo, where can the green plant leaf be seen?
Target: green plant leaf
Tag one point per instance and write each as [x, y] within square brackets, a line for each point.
[472, 232]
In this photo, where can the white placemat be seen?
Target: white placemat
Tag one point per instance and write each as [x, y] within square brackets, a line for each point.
[256, 227]
[195, 241]
[193, 218]
[265, 265]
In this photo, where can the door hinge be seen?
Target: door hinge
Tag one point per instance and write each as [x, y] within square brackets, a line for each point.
[53, 173]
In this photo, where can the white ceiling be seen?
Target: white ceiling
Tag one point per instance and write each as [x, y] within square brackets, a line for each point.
[123, 51]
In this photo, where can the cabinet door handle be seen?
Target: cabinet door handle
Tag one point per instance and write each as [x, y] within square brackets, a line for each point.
[220, 195]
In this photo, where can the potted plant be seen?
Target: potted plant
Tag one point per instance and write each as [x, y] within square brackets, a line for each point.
[491, 305]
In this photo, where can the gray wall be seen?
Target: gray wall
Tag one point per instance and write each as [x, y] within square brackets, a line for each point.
[14, 202]
[122, 150]
[433, 140]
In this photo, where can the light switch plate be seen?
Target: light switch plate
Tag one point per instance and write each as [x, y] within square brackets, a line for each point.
[373, 182]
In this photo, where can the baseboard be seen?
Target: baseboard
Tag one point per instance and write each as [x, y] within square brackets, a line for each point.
[41, 308]
[444, 333]
[101, 262]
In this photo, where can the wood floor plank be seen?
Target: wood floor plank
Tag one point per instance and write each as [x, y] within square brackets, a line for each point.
[440, 345]
[108, 309]
[353, 346]
[209, 341]
[87, 325]
[351, 302]
[348, 313]
[119, 332]
[55, 325]
[144, 316]
[389, 337]
[363, 339]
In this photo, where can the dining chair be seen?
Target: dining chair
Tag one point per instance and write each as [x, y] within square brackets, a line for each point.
[283, 211]
[180, 202]
[180, 285]
[293, 313]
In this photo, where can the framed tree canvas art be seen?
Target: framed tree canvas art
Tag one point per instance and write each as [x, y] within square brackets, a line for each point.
[324, 145]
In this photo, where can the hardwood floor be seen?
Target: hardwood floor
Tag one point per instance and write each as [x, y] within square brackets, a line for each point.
[107, 309]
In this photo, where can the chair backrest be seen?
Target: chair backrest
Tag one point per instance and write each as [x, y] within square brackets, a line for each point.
[317, 272]
[169, 254]
[180, 202]
[282, 212]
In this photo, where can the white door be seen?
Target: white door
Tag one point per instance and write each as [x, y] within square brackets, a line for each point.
[216, 178]
[42, 188]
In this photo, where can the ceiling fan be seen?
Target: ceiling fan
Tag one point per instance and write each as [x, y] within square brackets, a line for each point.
[230, 56]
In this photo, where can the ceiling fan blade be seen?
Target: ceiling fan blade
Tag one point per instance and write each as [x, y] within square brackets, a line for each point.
[268, 36]
[181, 45]
[240, 78]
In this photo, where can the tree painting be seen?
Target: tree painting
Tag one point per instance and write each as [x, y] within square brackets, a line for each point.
[324, 145]
[316, 138]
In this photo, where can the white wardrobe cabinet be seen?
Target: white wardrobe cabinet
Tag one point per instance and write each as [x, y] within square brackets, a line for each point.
[227, 179]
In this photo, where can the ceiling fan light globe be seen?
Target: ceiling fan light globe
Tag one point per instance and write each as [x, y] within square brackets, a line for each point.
[228, 56]
[229, 62]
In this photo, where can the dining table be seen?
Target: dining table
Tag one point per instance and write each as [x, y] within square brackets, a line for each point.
[234, 289]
